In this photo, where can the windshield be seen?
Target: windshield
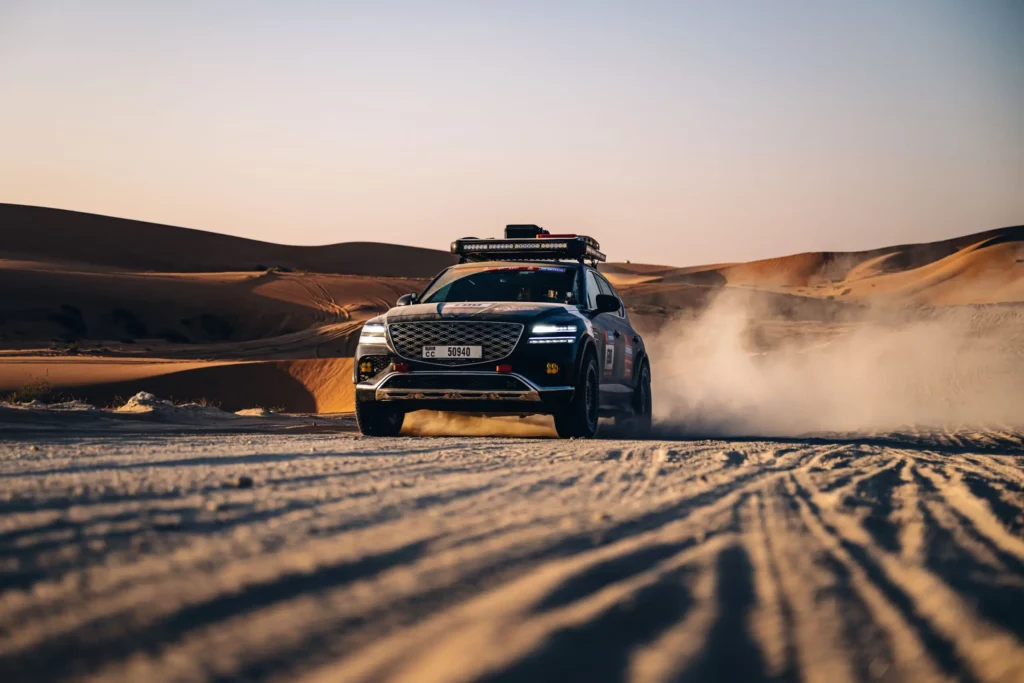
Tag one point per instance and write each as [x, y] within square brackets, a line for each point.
[541, 284]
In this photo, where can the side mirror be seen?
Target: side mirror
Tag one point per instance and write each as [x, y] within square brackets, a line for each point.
[407, 299]
[606, 303]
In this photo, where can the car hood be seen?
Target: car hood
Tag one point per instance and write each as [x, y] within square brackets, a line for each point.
[511, 311]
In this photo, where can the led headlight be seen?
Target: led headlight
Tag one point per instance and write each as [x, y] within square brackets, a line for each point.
[373, 333]
[553, 329]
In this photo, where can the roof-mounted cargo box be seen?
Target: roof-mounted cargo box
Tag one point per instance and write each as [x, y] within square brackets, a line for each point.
[518, 232]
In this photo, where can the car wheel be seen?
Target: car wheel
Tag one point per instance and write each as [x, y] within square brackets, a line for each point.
[579, 419]
[378, 419]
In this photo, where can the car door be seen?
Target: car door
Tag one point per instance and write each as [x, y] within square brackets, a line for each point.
[622, 333]
[605, 329]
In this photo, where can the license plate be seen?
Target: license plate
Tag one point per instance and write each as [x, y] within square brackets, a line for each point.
[453, 352]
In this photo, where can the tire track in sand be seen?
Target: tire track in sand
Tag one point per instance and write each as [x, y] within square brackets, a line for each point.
[499, 559]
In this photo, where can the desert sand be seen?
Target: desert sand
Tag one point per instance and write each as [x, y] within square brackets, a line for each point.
[148, 556]
[834, 490]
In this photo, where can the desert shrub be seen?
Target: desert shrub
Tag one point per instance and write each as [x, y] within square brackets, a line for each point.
[201, 401]
[38, 390]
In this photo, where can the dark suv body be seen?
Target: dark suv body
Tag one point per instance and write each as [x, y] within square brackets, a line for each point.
[506, 337]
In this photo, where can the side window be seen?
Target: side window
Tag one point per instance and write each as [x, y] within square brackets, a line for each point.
[606, 288]
[574, 295]
[593, 289]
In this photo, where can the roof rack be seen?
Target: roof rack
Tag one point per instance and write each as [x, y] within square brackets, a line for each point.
[528, 243]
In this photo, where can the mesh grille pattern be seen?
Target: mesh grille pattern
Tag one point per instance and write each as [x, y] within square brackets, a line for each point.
[456, 382]
[497, 339]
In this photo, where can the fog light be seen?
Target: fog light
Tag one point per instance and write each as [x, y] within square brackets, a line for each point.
[401, 367]
[504, 369]
[552, 368]
[366, 367]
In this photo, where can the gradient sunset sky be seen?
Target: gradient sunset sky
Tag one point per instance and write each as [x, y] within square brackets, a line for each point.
[674, 132]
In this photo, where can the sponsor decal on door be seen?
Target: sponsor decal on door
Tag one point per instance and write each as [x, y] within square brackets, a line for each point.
[627, 360]
[609, 353]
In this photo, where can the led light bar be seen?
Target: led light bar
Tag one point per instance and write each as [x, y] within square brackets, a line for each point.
[551, 340]
[542, 247]
[553, 329]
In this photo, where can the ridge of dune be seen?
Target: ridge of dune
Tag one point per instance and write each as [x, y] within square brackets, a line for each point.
[983, 267]
[33, 233]
[906, 256]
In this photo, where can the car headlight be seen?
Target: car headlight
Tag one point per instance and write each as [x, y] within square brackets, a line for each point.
[553, 329]
[373, 333]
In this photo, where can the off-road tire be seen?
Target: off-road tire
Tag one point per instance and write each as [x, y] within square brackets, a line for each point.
[579, 419]
[378, 419]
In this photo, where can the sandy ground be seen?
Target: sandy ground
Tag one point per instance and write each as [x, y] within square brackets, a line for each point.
[209, 539]
[138, 557]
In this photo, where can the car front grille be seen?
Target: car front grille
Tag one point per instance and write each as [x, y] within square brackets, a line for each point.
[497, 339]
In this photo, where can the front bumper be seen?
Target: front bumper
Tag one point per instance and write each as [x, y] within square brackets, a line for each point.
[457, 385]
[457, 390]
[542, 380]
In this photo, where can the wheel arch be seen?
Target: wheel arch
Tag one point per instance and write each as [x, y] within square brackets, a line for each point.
[588, 346]
[638, 364]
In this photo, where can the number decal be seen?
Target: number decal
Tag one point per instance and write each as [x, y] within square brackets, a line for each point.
[609, 353]
[627, 360]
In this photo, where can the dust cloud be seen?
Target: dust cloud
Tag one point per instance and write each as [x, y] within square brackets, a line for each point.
[735, 371]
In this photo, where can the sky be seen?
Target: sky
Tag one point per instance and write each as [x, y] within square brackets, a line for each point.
[673, 132]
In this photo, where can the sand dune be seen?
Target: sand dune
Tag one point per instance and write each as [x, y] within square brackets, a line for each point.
[298, 386]
[42, 234]
[986, 267]
[98, 286]
[172, 312]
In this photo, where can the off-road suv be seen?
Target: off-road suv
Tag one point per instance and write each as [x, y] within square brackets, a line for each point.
[522, 325]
